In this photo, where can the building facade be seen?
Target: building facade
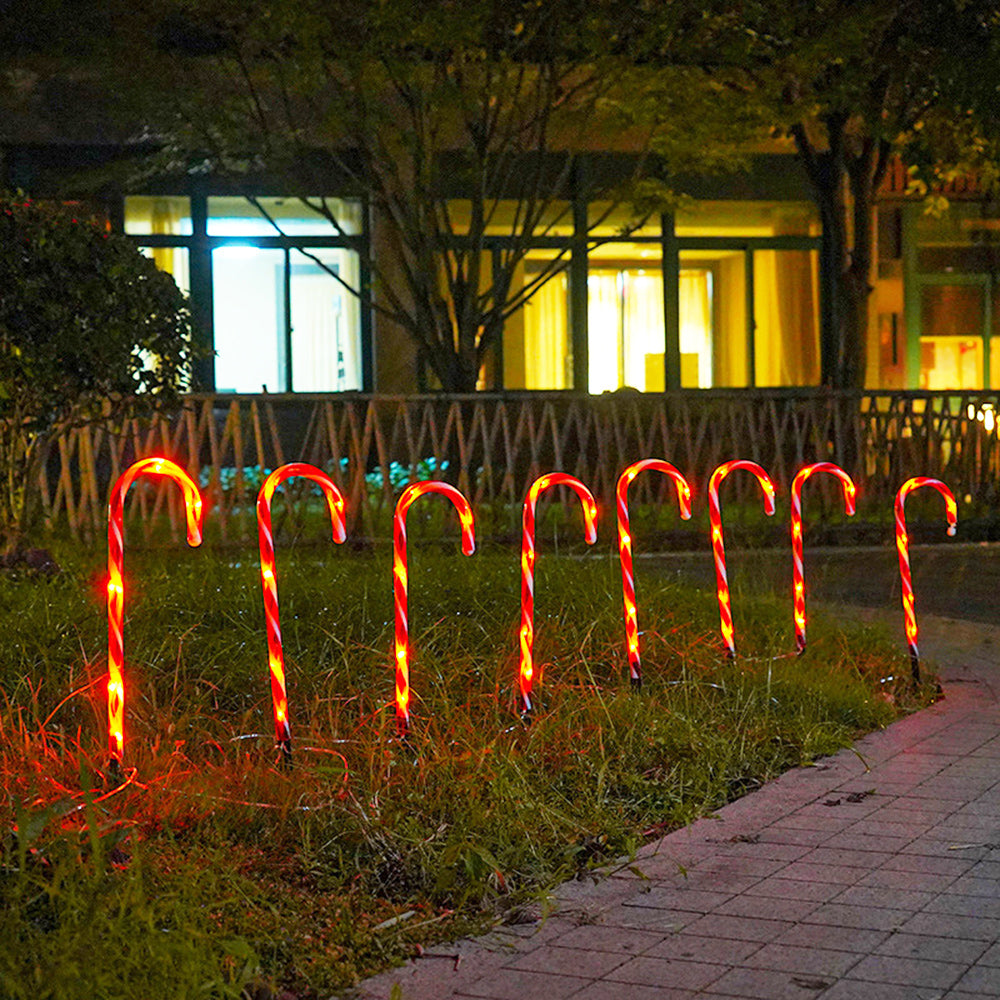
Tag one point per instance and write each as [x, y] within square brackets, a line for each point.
[725, 292]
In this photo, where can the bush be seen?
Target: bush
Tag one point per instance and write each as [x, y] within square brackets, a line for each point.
[89, 329]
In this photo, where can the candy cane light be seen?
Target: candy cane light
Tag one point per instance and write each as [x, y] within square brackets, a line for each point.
[903, 549]
[400, 581]
[116, 586]
[718, 548]
[269, 581]
[527, 635]
[625, 550]
[798, 573]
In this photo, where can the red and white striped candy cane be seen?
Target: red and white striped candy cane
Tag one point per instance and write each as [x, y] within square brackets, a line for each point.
[903, 549]
[400, 581]
[718, 548]
[625, 550]
[116, 586]
[798, 573]
[269, 581]
[527, 636]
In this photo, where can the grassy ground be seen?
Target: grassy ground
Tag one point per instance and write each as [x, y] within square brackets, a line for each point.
[212, 872]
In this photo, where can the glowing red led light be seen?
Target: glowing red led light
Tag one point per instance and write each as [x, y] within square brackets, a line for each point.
[718, 548]
[625, 550]
[400, 581]
[269, 582]
[903, 550]
[116, 587]
[798, 573]
[527, 635]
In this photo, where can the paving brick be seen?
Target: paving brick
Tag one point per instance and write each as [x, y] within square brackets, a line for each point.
[788, 888]
[861, 989]
[794, 958]
[907, 971]
[758, 983]
[968, 906]
[810, 871]
[562, 961]
[738, 928]
[600, 937]
[648, 918]
[829, 821]
[695, 900]
[806, 838]
[517, 984]
[715, 950]
[763, 849]
[894, 899]
[951, 925]
[981, 979]
[871, 917]
[885, 878]
[991, 956]
[605, 990]
[672, 973]
[774, 908]
[931, 864]
[850, 840]
[932, 948]
[846, 855]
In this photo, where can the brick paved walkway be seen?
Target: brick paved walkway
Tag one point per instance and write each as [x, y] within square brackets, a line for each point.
[872, 876]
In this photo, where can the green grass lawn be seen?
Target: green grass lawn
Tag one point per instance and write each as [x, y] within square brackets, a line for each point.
[212, 869]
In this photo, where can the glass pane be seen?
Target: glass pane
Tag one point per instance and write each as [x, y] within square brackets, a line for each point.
[952, 310]
[786, 317]
[326, 342]
[748, 218]
[994, 362]
[713, 318]
[537, 350]
[237, 216]
[508, 217]
[248, 297]
[157, 216]
[173, 260]
[625, 317]
[951, 363]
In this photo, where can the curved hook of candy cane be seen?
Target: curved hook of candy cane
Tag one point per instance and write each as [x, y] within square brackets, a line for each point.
[527, 636]
[116, 588]
[798, 572]
[718, 548]
[625, 550]
[269, 581]
[903, 549]
[400, 581]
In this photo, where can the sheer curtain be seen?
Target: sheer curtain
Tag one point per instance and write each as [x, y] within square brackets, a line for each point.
[604, 324]
[695, 294]
[546, 337]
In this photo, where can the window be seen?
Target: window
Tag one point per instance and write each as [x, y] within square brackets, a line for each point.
[278, 274]
[625, 318]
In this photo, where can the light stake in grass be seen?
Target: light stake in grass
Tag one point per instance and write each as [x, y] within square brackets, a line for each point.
[718, 548]
[269, 581]
[798, 573]
[400, 581]
[527, 667]
[625, 550]
[116, 586]
[903, 549]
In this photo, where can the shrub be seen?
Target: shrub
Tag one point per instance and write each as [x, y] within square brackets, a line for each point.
[89, 329]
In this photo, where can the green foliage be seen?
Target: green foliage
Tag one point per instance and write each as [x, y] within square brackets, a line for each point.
[88, 327]
[215, 867]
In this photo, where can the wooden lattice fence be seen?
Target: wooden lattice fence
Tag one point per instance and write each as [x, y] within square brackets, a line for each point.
[495, 445]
